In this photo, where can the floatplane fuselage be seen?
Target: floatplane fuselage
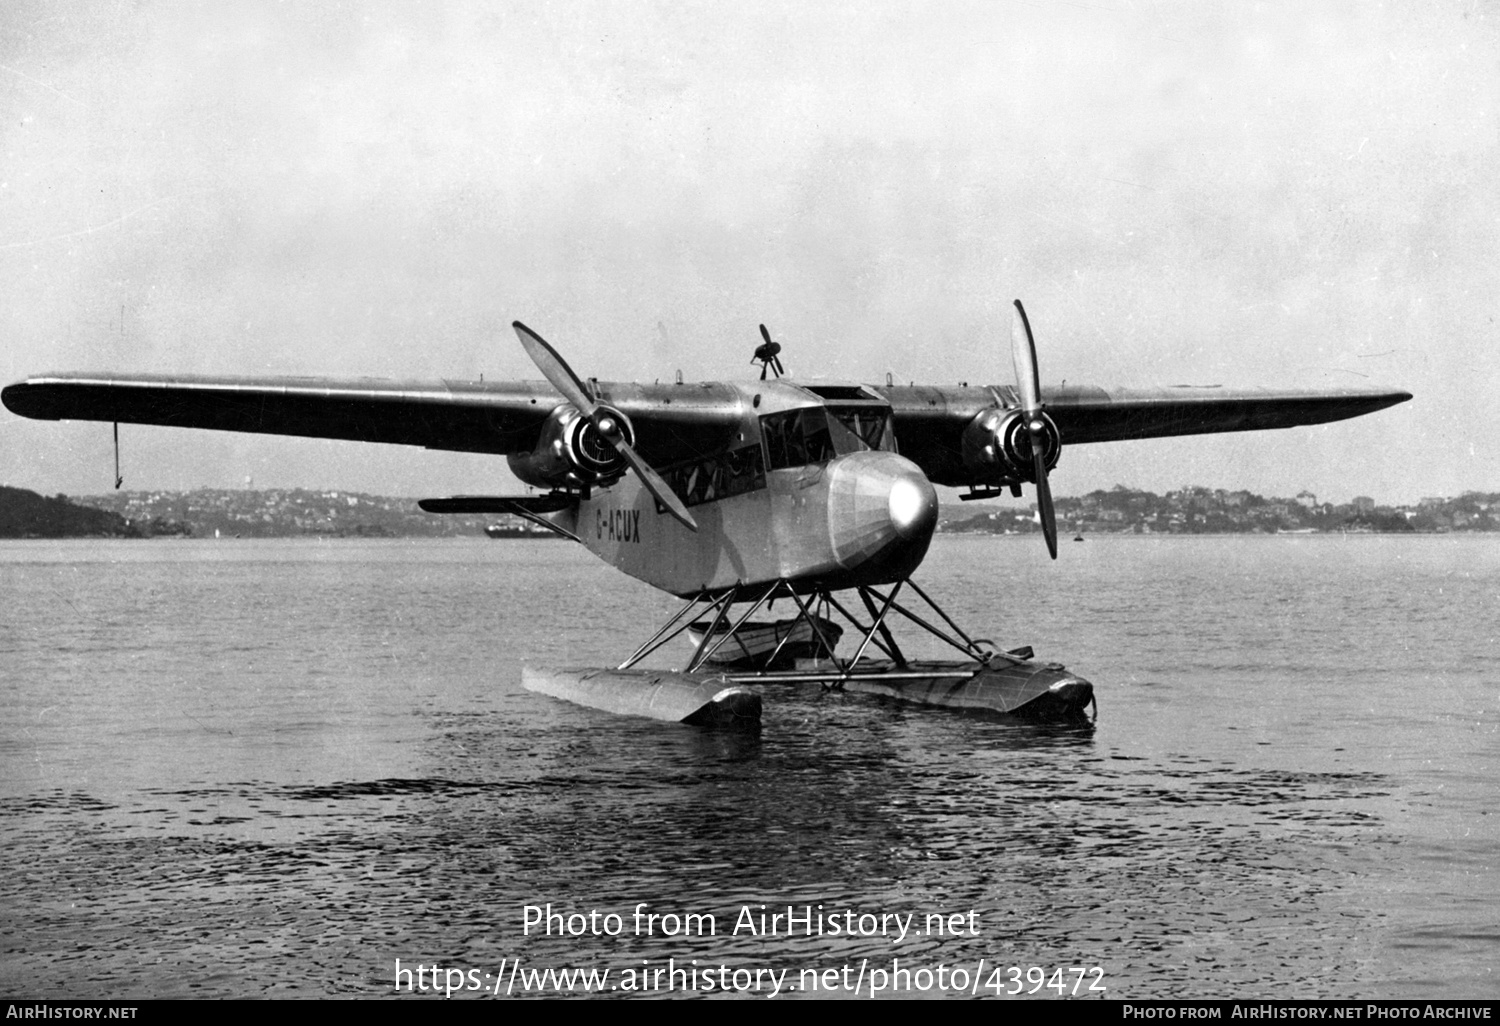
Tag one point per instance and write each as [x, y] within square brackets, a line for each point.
[810, 490]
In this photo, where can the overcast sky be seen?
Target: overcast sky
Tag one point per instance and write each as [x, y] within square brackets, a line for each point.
[1280, 194]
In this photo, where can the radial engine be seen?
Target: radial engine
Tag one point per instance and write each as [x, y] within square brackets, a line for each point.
[997, 446]
[571, 451]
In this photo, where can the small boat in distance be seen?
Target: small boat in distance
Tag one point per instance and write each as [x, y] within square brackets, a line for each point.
[518, 531]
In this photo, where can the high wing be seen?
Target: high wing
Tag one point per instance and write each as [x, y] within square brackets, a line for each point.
[672, 422]
[930, 421]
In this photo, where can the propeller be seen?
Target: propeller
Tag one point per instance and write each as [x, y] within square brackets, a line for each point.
[1023, 351]
[556, 370]
[766, 355]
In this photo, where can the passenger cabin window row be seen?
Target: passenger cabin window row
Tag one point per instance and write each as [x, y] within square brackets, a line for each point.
[718, 477]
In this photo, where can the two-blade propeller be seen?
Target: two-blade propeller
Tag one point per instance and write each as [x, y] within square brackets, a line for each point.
[556, 370]
[1028, 384]
[767, 355]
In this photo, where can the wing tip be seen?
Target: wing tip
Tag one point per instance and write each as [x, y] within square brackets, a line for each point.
[1385, 399]
[27, 399]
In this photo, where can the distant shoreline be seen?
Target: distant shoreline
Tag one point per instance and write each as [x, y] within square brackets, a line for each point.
[304, 513]
[940, 537]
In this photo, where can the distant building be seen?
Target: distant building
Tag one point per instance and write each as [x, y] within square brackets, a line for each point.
[1363, 504]
[1307, 500]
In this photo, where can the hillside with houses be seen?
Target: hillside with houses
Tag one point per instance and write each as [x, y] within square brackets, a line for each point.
[1199, 510]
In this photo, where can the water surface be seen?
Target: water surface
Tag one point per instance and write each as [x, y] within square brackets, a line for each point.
[276, 767]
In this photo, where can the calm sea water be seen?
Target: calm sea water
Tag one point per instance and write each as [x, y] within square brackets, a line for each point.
[276, 768]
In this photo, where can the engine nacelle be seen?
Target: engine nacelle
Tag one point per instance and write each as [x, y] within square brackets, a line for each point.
[571, 453]
[997, 447]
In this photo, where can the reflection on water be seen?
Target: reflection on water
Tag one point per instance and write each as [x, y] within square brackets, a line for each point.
[342, 771]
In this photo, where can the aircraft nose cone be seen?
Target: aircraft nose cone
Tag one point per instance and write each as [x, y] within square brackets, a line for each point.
[881, 514]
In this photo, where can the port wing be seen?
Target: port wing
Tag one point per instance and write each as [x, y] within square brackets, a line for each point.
[930, 421]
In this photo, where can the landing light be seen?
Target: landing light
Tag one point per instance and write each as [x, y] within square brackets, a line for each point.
[907, 504]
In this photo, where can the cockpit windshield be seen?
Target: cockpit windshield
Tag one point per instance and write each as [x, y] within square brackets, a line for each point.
[816, 434]
[792, 438]
[870, 424]
[795, 438]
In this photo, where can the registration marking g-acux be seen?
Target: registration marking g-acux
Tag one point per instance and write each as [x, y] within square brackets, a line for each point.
[620, 525]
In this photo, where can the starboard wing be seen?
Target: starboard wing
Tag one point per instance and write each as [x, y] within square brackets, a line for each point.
[671, 421]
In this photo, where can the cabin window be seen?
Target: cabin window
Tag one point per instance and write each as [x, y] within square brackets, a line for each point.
[717, 477]
[797, 438]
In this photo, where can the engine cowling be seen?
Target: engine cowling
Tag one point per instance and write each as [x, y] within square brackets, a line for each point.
[571, 453]
[997, 447]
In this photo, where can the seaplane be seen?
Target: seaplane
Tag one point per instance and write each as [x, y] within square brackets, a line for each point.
[733, 496]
